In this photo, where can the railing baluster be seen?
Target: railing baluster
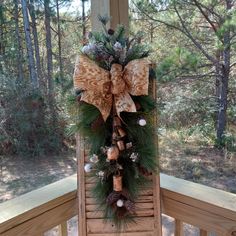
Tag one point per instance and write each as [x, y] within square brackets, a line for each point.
[63, 229]
[178, 228]
[203, 232]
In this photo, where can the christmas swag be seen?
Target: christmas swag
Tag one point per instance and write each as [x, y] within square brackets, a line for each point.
[112, 80]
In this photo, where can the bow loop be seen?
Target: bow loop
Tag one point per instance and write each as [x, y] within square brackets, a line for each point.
[88, 75]
[102, 88]
[136, 75]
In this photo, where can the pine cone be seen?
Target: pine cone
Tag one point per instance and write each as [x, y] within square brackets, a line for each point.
[144, 171]
[113, 197]
[121, 212]
[129, 205]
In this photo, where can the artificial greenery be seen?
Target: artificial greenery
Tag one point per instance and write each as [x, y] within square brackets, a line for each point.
[138, 161]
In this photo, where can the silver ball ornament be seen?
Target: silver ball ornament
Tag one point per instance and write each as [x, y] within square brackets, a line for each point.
[120, 203]
[142, 122]
[88, 167]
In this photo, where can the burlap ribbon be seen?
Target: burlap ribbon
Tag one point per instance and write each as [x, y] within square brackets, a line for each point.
[101, 87]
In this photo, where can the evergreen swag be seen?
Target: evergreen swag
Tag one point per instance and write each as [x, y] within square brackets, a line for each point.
[122, 150]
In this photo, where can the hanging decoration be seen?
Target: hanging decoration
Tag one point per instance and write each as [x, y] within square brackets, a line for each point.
[112, 80]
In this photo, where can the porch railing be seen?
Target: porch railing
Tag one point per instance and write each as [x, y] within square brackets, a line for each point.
[34, 213]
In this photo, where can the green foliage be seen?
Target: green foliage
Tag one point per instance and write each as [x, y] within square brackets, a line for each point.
[178, 61]
[115, 46]
[26, 124]
[140, 159]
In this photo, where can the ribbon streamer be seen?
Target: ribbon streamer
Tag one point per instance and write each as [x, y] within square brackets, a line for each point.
[100, 86]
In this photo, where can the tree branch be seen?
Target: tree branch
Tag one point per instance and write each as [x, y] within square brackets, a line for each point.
[190, 36]
[183, 30]
[232, 64]
[205, 15]
[210, 10]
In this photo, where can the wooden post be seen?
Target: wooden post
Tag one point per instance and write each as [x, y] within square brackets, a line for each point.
[90, 221]
[118, 10]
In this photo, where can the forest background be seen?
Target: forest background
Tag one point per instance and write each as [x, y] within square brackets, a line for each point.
[193, 43]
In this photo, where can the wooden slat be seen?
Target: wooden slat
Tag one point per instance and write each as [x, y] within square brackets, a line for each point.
[138, 213]
[41, 223]
[92, 201]
[148, 189]
[148, 192]
[138, 206]
[98, 226]
[178, 228]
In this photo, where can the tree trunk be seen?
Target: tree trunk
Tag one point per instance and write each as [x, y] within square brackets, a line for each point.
[225, 71]
[19, 46]
[49, 62]
[29, 46]
[59, 41]
[83, 21]
[2, 48]
[36, 43]
[49, 47]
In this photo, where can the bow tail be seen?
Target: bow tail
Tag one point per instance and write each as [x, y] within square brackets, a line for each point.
[99, 100]
[124, 102]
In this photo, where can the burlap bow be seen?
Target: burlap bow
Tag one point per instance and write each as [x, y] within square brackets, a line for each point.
[101, 88]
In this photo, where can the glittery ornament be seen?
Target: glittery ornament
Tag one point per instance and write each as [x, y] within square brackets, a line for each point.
[117, 46]
[88, 167]
[94, 158]
[120, 203]
[101, 174]
[103, 150]
[142, 122]
[88, 49]
[134, 156]
[129, 145]
[115, 136]
[119, 167]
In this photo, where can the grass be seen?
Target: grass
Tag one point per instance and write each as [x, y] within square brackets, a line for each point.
[194, 158]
